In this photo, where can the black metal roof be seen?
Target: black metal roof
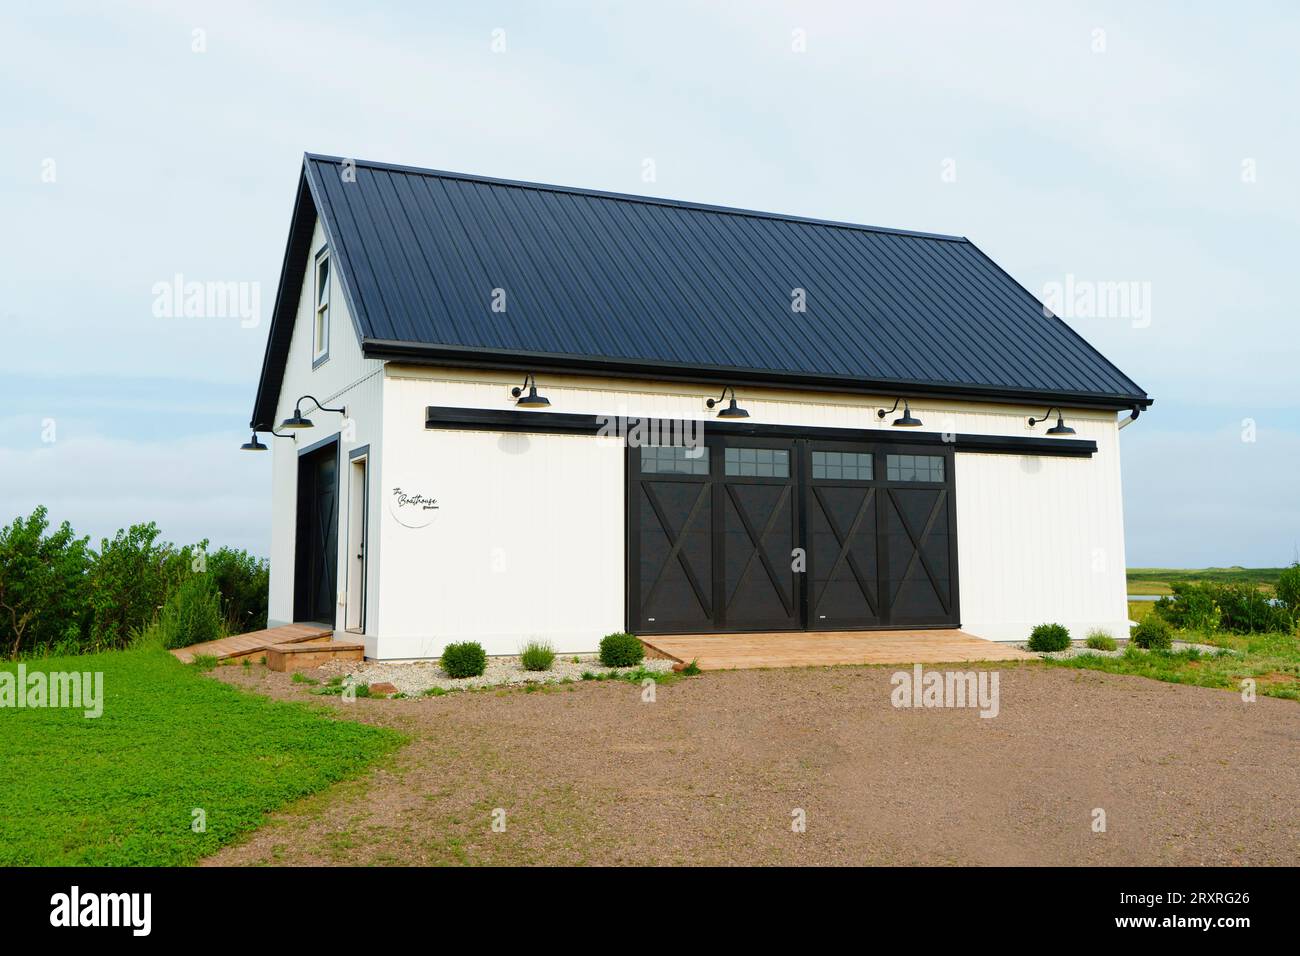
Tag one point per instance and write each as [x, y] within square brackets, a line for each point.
[633, 285]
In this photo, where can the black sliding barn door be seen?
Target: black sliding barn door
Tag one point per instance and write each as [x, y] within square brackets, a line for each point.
[919, 573]
[714, 536]
[670, 540]
[843, 499]
[758, 527]
[316, 560]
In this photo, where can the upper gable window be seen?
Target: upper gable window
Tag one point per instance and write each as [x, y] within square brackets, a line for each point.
[320, 350]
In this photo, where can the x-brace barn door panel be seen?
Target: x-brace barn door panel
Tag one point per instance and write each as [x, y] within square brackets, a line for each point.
[670, 561]
[843, 560]
[918, 574]
[757, 526]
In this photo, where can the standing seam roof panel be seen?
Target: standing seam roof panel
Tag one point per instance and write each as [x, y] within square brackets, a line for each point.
[646, 281]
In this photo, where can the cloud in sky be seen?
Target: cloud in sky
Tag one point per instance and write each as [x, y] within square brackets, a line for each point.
[1123, 164]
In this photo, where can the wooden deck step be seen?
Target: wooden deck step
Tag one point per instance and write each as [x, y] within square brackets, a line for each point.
[304, 654]
[824, 648]
[255, 643]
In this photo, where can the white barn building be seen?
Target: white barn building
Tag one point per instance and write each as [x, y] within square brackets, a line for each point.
[754, 423]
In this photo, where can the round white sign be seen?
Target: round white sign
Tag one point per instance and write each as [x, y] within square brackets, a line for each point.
[412, 509]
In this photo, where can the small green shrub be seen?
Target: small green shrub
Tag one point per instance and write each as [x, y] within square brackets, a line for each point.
[466, 659]
[204, 662]
[1099, 640]
[1049, 637]
[192, 613]
[1153, 633]
[692, 669]
[537, 656]
[621, 650]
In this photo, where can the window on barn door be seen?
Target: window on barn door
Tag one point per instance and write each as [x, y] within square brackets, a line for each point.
[321, 327]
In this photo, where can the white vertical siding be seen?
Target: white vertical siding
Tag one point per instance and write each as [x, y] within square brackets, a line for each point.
[1041, 540]
[529, 540]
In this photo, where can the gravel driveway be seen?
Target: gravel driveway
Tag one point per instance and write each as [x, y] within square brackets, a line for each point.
[713, 771]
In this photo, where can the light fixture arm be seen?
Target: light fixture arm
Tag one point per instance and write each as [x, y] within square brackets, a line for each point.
[718, 401]
[1045, 416]
[881, 413]
[297, 406]
[519, 389]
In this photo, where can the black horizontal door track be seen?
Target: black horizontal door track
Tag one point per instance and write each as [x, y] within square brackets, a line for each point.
[566, 423]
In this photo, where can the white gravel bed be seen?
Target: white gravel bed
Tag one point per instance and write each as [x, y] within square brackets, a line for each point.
[413, 678]
[1078, 648]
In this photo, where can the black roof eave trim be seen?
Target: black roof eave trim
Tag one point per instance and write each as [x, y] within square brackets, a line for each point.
[463, 357]
[278, 337]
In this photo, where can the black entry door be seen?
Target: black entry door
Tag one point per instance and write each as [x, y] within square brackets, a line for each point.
[316, 564]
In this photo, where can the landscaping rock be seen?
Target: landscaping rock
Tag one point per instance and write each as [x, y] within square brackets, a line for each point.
[413, 678]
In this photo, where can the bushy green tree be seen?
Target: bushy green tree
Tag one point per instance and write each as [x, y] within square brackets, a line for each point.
[129, 583]
[244, 582]
[1288, 589]
[43, 585]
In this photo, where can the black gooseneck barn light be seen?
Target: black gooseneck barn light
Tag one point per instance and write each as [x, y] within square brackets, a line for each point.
[732, 410]
[532, 399]
[1060, 428]
[254, 445]
[296, 420]
[906, 421]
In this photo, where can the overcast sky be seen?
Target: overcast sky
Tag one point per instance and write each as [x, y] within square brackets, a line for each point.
[1156, 144]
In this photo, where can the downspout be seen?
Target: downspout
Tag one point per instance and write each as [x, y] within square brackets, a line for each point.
[1133, 416]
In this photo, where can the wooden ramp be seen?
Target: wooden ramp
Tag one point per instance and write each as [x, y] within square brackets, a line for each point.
[254, 644]
[822, 648]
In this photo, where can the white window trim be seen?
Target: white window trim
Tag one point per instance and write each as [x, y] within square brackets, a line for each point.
[320, 320]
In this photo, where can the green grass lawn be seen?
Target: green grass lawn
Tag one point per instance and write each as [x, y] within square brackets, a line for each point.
[121, 789]
[1157, 580]
[1273, 660]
